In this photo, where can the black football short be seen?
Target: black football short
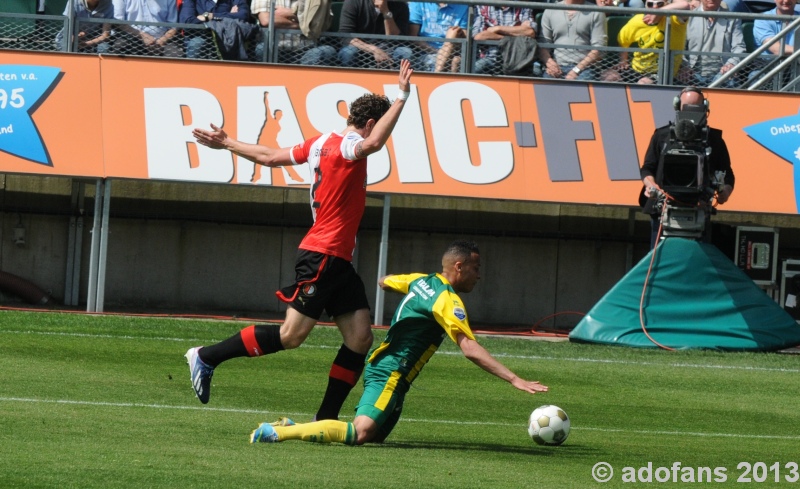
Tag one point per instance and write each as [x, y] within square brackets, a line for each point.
[324, 283]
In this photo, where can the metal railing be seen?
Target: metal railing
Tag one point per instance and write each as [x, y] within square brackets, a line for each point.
[756, 70]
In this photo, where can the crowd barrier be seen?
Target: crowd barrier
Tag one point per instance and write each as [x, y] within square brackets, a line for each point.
[757, 68]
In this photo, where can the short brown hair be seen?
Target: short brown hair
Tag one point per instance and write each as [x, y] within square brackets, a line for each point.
[366, 107]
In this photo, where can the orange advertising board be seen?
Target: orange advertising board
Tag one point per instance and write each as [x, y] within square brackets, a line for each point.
[516, 139]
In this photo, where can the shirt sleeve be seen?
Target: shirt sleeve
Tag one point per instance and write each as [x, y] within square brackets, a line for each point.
[119, 10]
[415, 13]
[242, 12]
[299, 153]
[451, 315]
[172, 12]
[349, 142]
[462, 21]
[762, 30]
[188, 13]
[527, 14]
[625, 36]
[599, 33]
[723, 159]
[546, 27]
[400, 283]
[650, 166]
[348, 17]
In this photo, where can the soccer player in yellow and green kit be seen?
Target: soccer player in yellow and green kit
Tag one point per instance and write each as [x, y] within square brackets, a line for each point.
[430, 311]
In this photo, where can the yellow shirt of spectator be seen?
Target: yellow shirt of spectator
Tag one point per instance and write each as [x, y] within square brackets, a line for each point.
[647, 36]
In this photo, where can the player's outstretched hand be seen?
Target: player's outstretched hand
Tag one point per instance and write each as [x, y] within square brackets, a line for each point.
[405, 75]
[213, 139]
[531, 386]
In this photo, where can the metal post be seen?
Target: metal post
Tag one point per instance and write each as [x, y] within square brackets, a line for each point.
[74, 246]
[69, 28]
[665, 66]
[91, 296]
[269, 43]
[383, 252]
[101, 269]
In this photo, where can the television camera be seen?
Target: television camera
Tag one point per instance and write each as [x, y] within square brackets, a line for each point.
[684, 174]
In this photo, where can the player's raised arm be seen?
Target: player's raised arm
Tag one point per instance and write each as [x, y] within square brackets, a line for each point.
[217, 138]
[482, 358]
[384, 126]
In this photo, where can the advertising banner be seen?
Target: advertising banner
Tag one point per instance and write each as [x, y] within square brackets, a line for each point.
[459, 135]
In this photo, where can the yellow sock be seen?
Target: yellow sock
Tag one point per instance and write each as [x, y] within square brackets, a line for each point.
[326, 431]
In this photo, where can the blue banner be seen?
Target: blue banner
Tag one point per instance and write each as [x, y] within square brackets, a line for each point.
[782, 137]
[22, 89]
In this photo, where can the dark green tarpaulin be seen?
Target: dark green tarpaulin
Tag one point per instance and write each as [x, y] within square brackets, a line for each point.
[696, 298]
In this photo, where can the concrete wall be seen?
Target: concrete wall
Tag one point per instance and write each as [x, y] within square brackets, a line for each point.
[219, 250]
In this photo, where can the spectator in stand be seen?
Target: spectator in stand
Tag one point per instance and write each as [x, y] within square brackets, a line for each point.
[198, 43]
[765, 29]
[92, 37]
[493, 24]
[285, 16]
[442, 20]
[373, 17]
[711, 35]
[573, 28]
[147, 40]
[646, 31]
[289, 14]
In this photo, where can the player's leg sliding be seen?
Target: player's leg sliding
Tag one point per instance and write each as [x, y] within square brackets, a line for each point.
[327, 431]
[252, 341]
[344, 374]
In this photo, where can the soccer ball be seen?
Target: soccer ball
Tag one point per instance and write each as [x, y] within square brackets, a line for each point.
[548, 425]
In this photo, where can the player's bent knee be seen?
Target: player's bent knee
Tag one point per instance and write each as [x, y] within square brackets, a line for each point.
[365, 340]
[366, 429]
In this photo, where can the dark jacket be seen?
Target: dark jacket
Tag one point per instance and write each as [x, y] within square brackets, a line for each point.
[360, 17]
[719, 160]
[231, 37]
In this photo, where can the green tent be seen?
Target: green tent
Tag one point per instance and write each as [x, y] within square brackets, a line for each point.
[695, 298]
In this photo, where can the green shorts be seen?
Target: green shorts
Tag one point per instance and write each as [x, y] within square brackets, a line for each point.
[385, 390]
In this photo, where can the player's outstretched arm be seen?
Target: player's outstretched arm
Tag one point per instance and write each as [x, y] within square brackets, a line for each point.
[217, 138]
[384, 126]
[480, 357]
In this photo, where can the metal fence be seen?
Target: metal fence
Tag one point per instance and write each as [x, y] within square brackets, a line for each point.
[755, 69]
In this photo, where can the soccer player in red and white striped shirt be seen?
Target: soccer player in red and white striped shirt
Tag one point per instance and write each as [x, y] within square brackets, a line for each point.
[325, 277]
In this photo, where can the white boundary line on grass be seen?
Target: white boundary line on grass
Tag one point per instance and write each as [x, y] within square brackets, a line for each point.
[412, 420]
[499, 355]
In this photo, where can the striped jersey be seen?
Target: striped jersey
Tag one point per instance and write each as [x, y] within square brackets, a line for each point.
[338, 192]
[429, 312]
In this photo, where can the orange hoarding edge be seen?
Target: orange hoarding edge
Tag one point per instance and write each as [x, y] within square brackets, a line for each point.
[50, 114]
[516, 139]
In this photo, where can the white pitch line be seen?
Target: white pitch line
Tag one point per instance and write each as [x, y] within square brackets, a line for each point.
[195, 341]
[411, 420]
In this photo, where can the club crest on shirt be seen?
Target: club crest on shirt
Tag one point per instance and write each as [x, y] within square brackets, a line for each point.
[309, 289]
[460, 313]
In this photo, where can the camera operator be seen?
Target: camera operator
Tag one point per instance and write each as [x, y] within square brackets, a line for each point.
[718, 160]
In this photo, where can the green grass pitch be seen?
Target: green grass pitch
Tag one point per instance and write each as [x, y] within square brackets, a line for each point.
[106, 402]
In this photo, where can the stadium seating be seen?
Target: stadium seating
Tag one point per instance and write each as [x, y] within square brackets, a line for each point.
[55, 7]
[336, 8]
[18, 6]
[614, 24]
[749, 40]
[13, 29]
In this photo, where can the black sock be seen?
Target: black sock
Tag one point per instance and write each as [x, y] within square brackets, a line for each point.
[252, 341]
[344, 374]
